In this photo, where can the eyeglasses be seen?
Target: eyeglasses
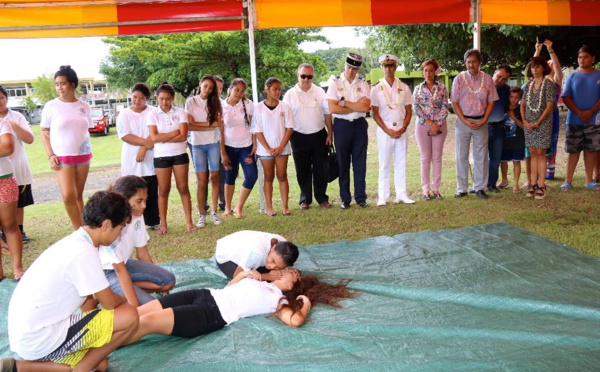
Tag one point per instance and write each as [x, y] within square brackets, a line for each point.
[307, 77]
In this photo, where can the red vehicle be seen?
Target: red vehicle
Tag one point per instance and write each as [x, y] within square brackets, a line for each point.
[100, 121]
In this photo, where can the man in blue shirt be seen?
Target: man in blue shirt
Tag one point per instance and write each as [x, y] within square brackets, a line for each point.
[496, 124]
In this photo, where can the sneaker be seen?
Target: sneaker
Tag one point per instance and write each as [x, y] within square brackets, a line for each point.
[381, 202]
[403, 198]
[215, 218]
[201, 221]
[345, 205]
[25, 237]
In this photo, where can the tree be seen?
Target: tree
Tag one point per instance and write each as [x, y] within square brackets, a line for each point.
[29, 104]
[181, 59]
[44, 89]
[500, 43]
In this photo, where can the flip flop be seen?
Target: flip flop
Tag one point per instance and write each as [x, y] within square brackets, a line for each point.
[592, 186]
[288, 213]
[566, 187]
[502, 185]
[18, 277]
[272, 214]
[5, 251]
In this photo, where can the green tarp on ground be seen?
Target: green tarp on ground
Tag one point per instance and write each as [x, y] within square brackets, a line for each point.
[490, 297]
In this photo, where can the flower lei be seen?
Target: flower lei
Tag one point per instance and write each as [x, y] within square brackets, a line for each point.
[312, 98]
[530, 93]
[388, 98]
[343, 88]
[464, 75]
[434, 92]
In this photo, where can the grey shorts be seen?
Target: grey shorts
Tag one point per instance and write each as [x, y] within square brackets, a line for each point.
[582, 137]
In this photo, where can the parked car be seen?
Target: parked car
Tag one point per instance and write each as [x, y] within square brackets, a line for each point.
[100, 121]
[112, 118]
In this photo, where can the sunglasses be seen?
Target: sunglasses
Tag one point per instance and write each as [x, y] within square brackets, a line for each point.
[308, 77]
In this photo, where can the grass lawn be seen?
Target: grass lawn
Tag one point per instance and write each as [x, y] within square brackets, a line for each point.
[570, 218]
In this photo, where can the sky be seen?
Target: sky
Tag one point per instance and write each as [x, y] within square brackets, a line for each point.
[30, 58]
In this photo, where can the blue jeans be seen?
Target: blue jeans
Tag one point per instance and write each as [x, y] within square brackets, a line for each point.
[201, 154]
[495, 145]
[140, 271]
[237, 157]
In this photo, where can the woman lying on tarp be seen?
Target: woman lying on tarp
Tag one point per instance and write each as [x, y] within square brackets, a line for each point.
[193, 313]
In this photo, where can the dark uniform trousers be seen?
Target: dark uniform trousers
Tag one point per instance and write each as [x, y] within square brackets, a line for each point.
[310, 154]
[151, 216]
[351, 140]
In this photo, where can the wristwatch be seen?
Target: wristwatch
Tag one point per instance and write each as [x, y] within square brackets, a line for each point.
[343, 102]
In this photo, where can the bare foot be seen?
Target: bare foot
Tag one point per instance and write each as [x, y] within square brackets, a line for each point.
[286, 212]
[271, 212]
[162, 230]
[103, 366]
[227, 213]
[191, 228]
[238, 214]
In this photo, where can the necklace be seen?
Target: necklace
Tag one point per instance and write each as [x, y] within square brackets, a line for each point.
[464, 75]
[388, 99]
[434, 92]
[530, 93]
[311, 98]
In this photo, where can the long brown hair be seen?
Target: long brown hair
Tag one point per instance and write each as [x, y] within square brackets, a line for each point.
[317, 292]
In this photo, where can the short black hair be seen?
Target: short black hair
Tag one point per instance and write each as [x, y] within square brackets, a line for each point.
[69, 73]
[3, 91]
[142, 88]
[165, 87]
[128, 186]
[506, 67]
[288, 252]
[106, 205]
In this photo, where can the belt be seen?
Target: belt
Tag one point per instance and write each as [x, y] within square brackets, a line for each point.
[474, 117]
[494, 122]
[351, 120]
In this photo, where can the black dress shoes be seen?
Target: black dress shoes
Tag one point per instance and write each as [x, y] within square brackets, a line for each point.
[363, 204]
[345, 205]
[494, 189]
[460, 195]
[481, 194]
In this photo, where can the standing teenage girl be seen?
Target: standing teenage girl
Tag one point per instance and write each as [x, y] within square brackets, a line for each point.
[137, 154]
[238, 146]
[273, 124]
[168, 130]
[204, 116]
[65, 123]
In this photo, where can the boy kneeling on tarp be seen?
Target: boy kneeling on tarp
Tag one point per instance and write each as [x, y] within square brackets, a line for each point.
[45, 327]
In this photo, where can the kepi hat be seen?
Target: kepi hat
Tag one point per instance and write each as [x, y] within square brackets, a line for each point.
[388, 59]
[354, 60]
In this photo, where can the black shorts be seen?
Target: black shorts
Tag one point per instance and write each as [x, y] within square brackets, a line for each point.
[25, 196]
[228, 268]
[170, 161]
[195, 311]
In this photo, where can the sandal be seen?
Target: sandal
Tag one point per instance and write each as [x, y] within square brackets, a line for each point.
[592, 186]
[531, 191]
[540, 193]
[426, 197]
[502, 185]
[566, 186]
[517, 191]
[18, 277]
[437, 196]
[287, 213]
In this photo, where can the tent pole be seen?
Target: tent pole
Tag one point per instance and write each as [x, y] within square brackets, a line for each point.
[261, 179]
[476, 24]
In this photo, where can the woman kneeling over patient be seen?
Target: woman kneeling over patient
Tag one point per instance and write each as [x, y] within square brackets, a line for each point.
[196, 312]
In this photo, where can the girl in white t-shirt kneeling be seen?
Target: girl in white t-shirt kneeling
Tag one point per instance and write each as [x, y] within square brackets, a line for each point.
[273, 123]
[168, 129]
[135, 279]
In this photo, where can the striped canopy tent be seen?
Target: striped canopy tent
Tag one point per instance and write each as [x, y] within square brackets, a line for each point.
[68, 18]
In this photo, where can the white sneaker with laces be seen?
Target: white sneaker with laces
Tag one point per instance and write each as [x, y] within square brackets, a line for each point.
[201, 221]
[215, 218]
[404, 199]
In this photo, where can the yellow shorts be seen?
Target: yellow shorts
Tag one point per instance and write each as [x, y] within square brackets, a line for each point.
[88, 330]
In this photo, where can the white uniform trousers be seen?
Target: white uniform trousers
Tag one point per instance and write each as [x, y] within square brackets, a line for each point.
[463, 136]
[389, 148]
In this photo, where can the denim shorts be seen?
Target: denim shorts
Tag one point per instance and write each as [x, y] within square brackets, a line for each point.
[201, 154]
[270, 157]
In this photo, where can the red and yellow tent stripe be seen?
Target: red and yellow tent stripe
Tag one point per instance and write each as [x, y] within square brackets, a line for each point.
[64, 18]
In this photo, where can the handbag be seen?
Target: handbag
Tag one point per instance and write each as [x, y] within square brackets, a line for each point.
[332, 170]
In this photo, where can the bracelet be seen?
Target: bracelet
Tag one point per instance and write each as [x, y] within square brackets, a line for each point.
[51, 156]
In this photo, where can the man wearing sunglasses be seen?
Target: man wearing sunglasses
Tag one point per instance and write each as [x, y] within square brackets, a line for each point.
[310, 139]
[348, 97]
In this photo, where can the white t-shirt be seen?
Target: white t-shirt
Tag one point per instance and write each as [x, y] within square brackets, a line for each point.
[69, 123]
[53, 289]
[134, 235]
[272, 124]
[246, 298]
[237, 133]
[196, 107]
[309, 108]
[340, 87]
[5, 163]
[18, 158]
[391, 101]
[248, 249]
[134, 123]
[166, 122]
